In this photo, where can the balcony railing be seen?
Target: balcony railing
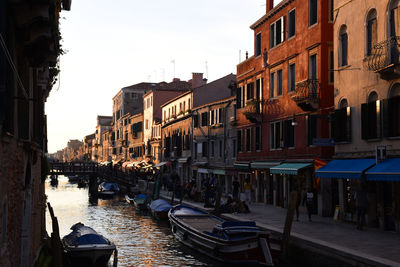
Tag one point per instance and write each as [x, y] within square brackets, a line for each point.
[306, 94]
[385, 57]
[253, 110]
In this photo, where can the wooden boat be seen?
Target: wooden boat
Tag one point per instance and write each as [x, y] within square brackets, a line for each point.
[83, 182]
[159, 209]
[230, 242]
[107, 190]
[140, 202]
[129, 200]
[85, 247]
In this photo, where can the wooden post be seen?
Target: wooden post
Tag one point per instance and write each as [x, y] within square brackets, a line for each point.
[288, 223]
[55, 239]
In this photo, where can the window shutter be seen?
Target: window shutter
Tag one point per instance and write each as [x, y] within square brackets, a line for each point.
[364, 121]
[387, 117]
[283, 27]
[348, 124]
[238, 97]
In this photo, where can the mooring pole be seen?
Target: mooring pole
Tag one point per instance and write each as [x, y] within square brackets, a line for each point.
[288, 223]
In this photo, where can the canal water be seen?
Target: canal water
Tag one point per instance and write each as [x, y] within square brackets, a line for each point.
[141, 240]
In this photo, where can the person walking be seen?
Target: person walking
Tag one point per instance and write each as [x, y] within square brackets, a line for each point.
[309, 199]
[247, 190]
[235, 191]
[361, 200]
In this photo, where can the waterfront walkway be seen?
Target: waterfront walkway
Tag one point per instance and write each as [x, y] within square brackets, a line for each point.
[371, 246]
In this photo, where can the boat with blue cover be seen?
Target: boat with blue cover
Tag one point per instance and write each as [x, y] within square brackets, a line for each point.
[140, 202]
[107, 189]
[85, 247]
[227, 241]
[159, 209]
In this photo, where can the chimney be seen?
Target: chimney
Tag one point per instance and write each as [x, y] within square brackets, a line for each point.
[176, 80]
[197, 79]
[270, 5]
[247, 55]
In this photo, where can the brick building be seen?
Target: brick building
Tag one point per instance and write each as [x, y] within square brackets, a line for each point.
[29, 50]
[285, 93]
[103, 125]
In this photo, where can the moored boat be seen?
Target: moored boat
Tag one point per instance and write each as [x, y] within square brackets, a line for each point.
[140, 202]
[159, 209]
[230, 242]
[107, 190]
[85, 247]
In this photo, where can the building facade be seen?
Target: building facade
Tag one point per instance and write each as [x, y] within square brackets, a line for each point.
[285, 94]
[365, 121]
[103, 125]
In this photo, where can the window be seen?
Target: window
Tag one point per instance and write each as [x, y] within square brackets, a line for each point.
[258, 138]
[277, 32]
[394, 18]
[279, 82]
[371, 31]
[250, 91]
[212, 149]
[239, 141]
[205, 149]
[391, 113]
[147, 124]
[341, 123]
[275, 135]
[212, 121]
[248, 139]
[313, 12]
[196, 121]
[240, 97]
[289, 133]
[220, 149]
[272, 85]
[331, 7]
[312, 129]
[292, 77]
[195, 150]
[313, 67]
[292, 23]
[371, 118]
[204, 119]
[259, 84]
[343, 43]
[258, 44]
[234, 148]
[331, 67]
[134, 95]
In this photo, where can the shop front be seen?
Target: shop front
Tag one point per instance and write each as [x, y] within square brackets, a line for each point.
[264, 181]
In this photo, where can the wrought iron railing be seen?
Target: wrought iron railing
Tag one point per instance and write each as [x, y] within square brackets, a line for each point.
[384, 54]
[307, 90]
[253, 110]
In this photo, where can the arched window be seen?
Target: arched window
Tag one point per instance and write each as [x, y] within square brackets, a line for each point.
[343, 46]
[343, 103]
[372, 97]
[392, 112]
[394, 22]
[371, 31]
[394, 91]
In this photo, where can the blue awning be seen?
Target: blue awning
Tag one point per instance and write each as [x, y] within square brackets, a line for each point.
[388, 170]
[345, 168]
[289, 168]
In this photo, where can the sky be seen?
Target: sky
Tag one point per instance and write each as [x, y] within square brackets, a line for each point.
[112, 44]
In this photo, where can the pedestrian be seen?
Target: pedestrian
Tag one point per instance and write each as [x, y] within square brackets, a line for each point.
[207, 193]
[309, 200]
[361, 199]
[247, 190]
[235, 191]
[298, 201]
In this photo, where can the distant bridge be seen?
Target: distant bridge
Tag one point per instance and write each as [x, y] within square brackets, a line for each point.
[94, 170]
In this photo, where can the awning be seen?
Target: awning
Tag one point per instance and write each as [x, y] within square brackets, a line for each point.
[388, 170]
[183, 160]
[160, 164]
[241, 165]
[345, 168]
[219, 171]
[199, 163]
[201, 170]
[264, 165]
[289, 168]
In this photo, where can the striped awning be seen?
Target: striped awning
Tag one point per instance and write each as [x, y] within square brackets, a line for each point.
[289, 168]
[263, 165]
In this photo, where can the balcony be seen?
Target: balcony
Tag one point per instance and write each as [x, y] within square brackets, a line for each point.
[253, 110]
[384, 58]
[306, 94]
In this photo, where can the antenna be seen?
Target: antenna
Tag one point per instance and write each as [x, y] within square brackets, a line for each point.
[240, 55]
[173, 62]
[206, 70]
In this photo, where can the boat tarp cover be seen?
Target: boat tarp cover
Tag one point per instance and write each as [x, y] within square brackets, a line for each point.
[185, 210]
[84, 235]
[109, 187]
[141, 196]
[160, 205]
[238, 224]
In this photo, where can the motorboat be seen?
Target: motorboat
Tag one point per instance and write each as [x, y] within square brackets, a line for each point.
[107, 189]
[85, 247]
[159, 209]
[73, 178]
[233, 242]
[83, 182]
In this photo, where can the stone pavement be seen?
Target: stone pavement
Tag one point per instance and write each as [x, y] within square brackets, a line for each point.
[371, 246]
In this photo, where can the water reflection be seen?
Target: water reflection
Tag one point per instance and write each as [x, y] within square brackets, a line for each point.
[140, 240]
